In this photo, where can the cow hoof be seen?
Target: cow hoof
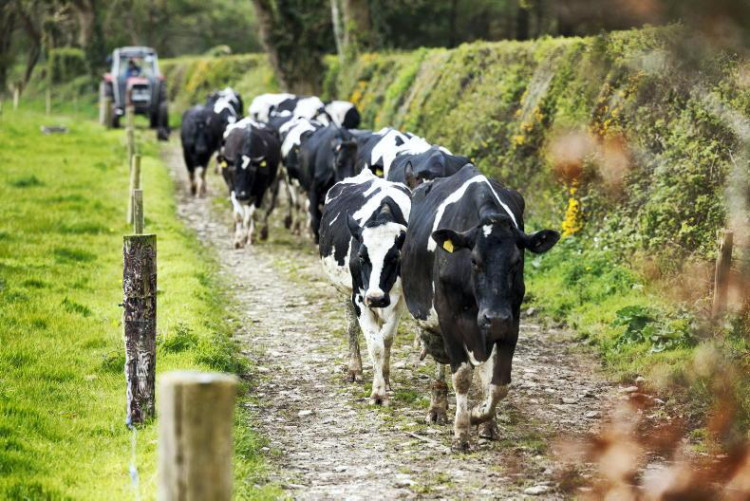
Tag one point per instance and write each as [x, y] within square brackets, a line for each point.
[288, 222]
[437, 416]
[354, 376]
[489, 430]
[193, 190]
[237, 244]
[381, 400]
[460, 444]
[264, 233]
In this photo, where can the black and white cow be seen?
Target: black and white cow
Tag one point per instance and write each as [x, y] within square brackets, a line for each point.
[200, 133]
[292, 134]
[262, 105]
[327, 156]
[310, 107]
[413, 169]
[380, 148]
[343, 114]
[463, 282]
[229, 96]
[249, 161]
[362, 230]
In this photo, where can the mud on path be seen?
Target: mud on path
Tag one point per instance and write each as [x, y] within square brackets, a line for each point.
[325, 440]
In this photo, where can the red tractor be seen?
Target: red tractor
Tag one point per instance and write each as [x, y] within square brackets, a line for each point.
[134, 79]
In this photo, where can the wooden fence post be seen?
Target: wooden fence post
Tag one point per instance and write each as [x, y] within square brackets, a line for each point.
[195, 436]
[16, 97]
[139, 323]
[135, 184]
[138, 211]
[48, 101]
[129, 116]
[721, 276]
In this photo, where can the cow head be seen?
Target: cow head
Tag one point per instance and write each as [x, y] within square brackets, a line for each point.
[494, 250]
[251, 163]
[344, 154]
[377, 254]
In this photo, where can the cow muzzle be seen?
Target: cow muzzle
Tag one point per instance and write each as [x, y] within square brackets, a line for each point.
[495, 325]
[377, 299]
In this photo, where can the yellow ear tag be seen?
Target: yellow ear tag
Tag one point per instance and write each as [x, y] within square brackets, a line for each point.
[379, 172]
[263, 163]
[448, 246]
[223, 164]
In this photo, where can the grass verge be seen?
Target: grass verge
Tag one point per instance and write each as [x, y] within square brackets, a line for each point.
[62, 391]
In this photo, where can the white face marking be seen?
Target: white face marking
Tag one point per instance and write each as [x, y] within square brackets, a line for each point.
[378, 241]
[455, 197]
[222, 104]
[245, 161]
[487, 230]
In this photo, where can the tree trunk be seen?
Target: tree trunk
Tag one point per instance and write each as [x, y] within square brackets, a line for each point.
[358, 35]
[7, 27]
[338, 29]
[522, 21]
[293, 36]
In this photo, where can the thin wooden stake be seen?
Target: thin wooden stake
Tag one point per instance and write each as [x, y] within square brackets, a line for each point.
[130, 135]
[48, 102]
[139, 324]
[130, 116]
[135, 183]
[137, 211]
[16, 97]
[195, 436]
[721, 277]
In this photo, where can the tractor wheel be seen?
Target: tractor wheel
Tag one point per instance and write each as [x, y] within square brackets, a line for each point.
[115, 119]
[162, 122]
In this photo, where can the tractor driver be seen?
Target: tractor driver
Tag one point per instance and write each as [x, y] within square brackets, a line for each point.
[133, 69]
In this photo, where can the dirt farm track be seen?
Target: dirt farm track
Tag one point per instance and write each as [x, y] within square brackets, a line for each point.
[325, 440]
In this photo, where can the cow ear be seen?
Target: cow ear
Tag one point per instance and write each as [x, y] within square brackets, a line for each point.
[541, 241]
[451, 241]
[354, 228]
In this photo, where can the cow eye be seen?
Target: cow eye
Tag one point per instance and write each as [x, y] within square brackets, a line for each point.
[474, 264]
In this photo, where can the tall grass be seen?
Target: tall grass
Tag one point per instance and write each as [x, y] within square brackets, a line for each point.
[62, 388]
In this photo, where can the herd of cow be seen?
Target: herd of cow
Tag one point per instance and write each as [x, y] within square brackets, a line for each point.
[400, 223]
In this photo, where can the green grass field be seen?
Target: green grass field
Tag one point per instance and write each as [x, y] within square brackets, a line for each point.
[62, 388]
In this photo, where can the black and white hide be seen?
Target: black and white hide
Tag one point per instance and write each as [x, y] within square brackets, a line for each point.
[380, 148]
[293, 133]
[413, 169]
[262, 105]
[310, 107]
[250, 161]
[362, 230]
[462, 264]
[200, 134]
[229, 96]
[326, 156]
[343, 114]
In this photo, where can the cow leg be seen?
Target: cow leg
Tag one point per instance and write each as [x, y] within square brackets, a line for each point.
[462, 424]
[248, 223]
[484, 413]
[291, 201]
[239, 212]
[200, 182]
[438, 412]
[355, 358]
[191, 175]
[379, 335]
